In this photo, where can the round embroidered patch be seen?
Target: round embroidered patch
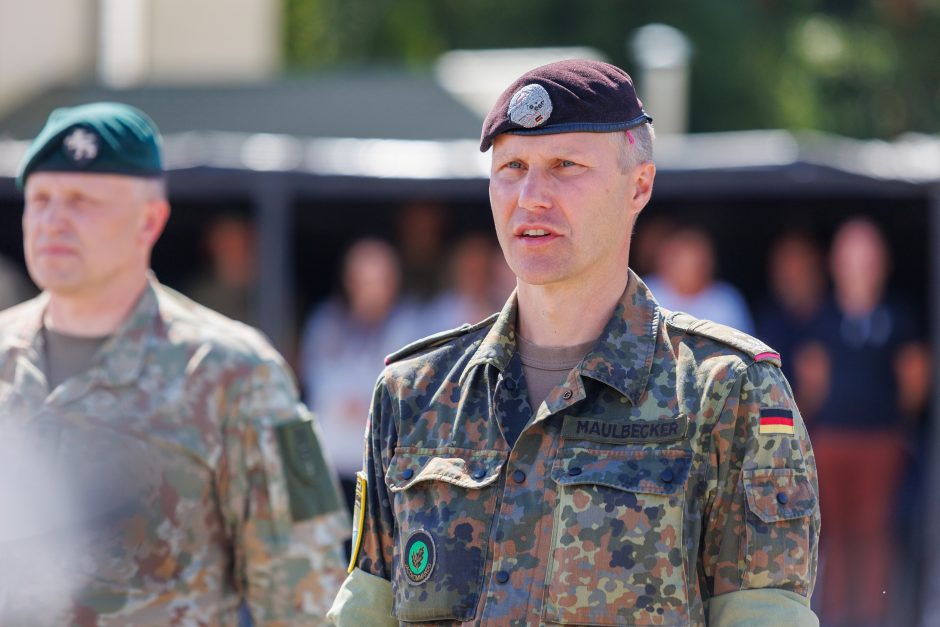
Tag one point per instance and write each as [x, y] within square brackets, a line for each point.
[81, 145]
[530, 106]
[420, 557]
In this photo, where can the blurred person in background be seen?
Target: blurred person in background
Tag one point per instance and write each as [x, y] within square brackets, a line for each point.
[502, 279]
[196, 476]
[787, 317]
[14, 288]
[343, 348]
[230, 284]
[685, 281]
[421, 239]
[871, 368]
[651, 233]
[469, 297]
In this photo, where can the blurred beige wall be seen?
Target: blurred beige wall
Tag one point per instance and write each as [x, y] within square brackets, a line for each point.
[44, 43]
[215, 40]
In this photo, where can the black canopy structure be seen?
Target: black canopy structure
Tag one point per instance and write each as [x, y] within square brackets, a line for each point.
[382, 137]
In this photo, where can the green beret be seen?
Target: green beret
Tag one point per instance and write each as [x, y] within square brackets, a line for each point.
[100, 138]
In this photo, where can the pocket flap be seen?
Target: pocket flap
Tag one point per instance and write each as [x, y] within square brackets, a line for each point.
[775, 494]
[643, 471]
[459, 467]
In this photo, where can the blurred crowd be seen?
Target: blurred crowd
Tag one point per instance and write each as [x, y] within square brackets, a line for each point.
[853, 350]
[856, 356]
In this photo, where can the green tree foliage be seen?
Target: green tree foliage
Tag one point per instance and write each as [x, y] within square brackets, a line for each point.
[862, 68]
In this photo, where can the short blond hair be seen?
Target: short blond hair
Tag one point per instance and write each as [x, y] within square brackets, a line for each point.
[640, 150]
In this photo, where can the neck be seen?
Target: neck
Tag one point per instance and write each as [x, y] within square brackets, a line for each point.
[97, 315]
[569, 314]
[858, 302]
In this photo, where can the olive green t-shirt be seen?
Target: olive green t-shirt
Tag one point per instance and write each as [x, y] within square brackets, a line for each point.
[68, 355]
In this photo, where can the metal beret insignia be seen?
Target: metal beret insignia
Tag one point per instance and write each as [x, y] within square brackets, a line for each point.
[530, 106]
[81, 145]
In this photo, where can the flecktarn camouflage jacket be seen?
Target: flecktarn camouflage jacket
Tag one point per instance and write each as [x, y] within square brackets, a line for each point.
[669, 480]
[173, 479]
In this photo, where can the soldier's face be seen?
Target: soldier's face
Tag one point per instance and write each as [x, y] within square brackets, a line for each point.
[564, 205]
[82, 231]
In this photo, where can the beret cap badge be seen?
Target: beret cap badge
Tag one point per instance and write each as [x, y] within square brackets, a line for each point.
[95, 138]
[530, 106]
[81, 145]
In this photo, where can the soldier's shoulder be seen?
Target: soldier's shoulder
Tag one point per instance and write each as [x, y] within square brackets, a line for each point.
[189, 322]
[14, 320]
[28, 309]
[707, 339]
[441, 343]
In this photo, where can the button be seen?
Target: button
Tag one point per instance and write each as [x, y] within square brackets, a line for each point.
[566, 395]
[666, 475]
[518, 476]
[574, 471]
[502, 576]
[510, 384]
[479, 473]
[408, 473]
[782, 498]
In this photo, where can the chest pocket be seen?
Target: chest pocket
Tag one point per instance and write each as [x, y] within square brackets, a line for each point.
[444, 502]
[617, 555]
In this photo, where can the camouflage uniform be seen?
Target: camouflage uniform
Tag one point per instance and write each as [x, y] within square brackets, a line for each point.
[196, 477]
[644, 491]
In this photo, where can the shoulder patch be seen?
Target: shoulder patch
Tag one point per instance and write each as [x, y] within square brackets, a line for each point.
[436, 340]
[739, 340]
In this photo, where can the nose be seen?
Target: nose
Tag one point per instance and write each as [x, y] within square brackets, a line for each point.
[52, 217]
[535, 191]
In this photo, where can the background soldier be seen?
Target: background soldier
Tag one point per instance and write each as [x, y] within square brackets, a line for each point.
[194, 478]
[584, 456]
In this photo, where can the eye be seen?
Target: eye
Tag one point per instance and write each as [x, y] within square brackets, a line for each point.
[567, 164]
[514, 165]
[81, 199]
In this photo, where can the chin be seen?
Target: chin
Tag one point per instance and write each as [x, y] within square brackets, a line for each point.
[541, 279]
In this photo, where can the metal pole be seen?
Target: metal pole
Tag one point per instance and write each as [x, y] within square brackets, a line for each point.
[276, 272]
[930, 616]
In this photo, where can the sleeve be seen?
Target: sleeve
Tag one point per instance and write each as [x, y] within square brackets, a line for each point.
[759, 608]
[366, 596]
[762, 521]
[284, 513]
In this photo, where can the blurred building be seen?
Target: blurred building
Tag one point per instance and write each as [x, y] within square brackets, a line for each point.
[122, 43]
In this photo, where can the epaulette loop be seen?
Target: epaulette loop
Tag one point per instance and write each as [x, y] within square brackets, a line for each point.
[739, 340]
[436, 340]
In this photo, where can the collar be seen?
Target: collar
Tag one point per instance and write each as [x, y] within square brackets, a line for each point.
[122, 356]
[498, 346]
[118, 362]
[622, 356]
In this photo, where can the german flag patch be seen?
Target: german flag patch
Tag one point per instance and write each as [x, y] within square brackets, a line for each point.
[774, 421]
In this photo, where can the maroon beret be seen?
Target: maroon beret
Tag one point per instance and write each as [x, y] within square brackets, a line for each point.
[566, 97]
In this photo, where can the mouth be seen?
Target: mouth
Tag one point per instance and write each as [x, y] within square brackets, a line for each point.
[56, 250]
[535, 234]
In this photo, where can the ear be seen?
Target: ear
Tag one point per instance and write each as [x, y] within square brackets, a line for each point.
[155, 215]
[643, 176]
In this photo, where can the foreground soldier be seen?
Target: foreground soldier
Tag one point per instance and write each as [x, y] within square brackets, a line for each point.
[194, 479]
[584, 457]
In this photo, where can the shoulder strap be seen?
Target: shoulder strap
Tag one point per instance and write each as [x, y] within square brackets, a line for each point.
[436, 340]
[739, 340]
